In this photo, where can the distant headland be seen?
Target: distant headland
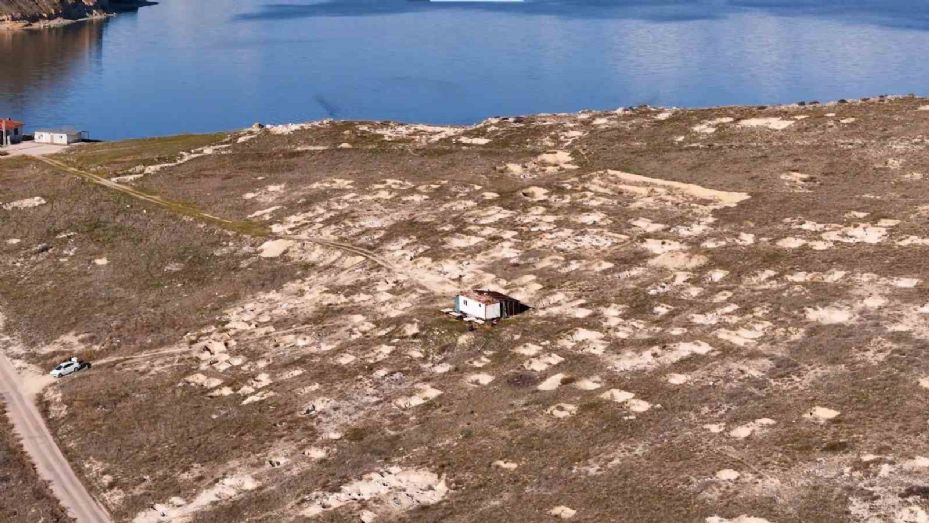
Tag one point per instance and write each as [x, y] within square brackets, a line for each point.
[22, 14]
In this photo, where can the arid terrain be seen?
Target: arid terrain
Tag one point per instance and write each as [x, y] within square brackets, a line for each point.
[728, 324]
[23, 496]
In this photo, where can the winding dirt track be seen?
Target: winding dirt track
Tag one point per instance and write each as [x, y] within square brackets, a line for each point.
[178, 208]
[50, 463]
[245, 227]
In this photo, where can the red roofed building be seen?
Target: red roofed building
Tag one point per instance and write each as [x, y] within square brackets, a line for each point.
[11, 131]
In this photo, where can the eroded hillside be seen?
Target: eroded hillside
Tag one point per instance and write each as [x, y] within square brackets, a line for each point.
[728, 317]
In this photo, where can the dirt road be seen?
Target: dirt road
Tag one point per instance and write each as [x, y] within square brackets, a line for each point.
[435, 285]
[42, 449]
[177, 207]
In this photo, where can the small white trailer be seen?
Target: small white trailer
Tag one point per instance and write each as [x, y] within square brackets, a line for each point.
[485, 304]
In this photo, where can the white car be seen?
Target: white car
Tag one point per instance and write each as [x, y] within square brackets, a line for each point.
[69, 367]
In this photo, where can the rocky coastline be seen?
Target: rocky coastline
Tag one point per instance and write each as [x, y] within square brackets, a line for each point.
[40, 14]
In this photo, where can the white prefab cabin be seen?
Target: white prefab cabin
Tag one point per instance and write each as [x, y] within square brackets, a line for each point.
[487, 305]
[477, 306]
[59, 136]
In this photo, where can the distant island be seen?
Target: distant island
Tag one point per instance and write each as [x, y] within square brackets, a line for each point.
[19, 14]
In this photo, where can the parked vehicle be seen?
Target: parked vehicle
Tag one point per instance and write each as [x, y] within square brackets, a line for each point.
[69, 367]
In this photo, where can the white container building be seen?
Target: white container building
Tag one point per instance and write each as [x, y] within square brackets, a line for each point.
[487, 305]
[64, 136]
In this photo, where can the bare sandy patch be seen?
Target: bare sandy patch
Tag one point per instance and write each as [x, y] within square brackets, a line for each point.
[710, 126]
[656, 246]
[274, 248]
[830, 315]
[727, 475]
[27, 203]
[468, 140]
[424, 393]
[659, 356]
[177, 509]
[504, 464]
[726, 198]
[773, 123]
[678, 260]
[393, 489]
[552, 382]
[739, 519]
[746, 430]
[479, 379]
[861, 233]
[542, 363]
[822, 414]
[534, 193]
[557, 159]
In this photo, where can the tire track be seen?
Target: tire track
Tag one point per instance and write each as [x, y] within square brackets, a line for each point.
[246, 227]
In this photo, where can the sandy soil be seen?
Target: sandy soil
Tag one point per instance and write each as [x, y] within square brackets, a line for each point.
[32, 149]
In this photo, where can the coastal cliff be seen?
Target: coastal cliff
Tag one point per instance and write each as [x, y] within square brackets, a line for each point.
[27, 12]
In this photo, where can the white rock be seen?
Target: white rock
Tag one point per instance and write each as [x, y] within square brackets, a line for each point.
[619, 396]
[503, 464]
[479, 379]
[315, 453]
[727, 475]
[822, 413]
[274, 248]
[563, 512]
[552, 383]
[27, 203]
[775, 124]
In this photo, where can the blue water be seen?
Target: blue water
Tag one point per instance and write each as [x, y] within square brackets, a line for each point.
[205, 65]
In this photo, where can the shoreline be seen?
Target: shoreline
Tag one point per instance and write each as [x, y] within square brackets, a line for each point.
[798, 105]
[39, 23]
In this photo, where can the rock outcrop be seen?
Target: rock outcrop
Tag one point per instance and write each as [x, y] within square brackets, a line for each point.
[26, 12]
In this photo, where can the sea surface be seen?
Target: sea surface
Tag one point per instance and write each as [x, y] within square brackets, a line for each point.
[207, 65]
